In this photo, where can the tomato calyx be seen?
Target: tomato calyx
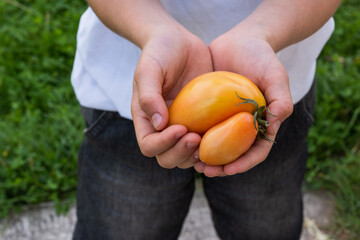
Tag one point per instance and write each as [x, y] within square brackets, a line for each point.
[259, 117]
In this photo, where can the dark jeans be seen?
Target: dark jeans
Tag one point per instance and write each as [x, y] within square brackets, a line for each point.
[124, 195]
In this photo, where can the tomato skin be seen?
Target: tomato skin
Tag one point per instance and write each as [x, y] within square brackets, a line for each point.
[228, 140]
[211, 98]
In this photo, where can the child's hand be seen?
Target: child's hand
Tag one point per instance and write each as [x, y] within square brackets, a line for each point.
[255, 59]
[170, 59]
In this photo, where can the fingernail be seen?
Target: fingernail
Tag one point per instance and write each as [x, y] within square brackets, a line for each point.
[196, 155]
[156, 120]
[191, 145]
[276, 126]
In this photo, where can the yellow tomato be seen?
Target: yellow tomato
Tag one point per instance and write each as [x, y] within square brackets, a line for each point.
[227, 107]
[211, 98]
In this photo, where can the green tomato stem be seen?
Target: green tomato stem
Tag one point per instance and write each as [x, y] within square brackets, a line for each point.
[259, 117]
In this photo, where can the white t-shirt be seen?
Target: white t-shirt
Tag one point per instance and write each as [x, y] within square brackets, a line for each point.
[105, 62]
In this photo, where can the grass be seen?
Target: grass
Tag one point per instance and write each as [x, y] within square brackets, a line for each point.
[334, 143]
[39, 114]
[40, 123]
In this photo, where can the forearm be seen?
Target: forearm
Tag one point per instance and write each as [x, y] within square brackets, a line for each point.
[134, 20]
[284, 22]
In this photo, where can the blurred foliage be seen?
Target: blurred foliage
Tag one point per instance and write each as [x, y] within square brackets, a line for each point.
[39, 115]
[334, 142]
[40, 121]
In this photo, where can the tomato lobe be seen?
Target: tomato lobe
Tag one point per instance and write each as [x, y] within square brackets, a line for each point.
[213, 104]
[227, 140]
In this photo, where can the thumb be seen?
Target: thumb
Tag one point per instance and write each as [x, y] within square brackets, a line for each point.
[149, 82]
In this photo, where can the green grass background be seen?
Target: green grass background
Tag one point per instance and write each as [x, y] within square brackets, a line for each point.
[40, 122]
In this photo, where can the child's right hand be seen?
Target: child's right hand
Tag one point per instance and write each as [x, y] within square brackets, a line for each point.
[170, 59]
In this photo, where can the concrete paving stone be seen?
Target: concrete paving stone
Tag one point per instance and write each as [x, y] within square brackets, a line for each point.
[319, 207]
[44, 224]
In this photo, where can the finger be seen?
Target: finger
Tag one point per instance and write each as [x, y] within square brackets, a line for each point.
[148, 79]
[256, 154]
[209, 171]
[214, 171]
[190, 162]
[150, 141]
[180, 152]
[159, 142]
[199, 166]
[280, 110]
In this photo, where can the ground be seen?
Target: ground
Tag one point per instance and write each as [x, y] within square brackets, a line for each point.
[44, 224]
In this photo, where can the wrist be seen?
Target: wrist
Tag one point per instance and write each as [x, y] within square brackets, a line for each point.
[252, 28]
[161, 32]
[171, 36]
[137, 21]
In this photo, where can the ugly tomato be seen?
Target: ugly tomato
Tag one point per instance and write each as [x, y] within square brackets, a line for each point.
[228, 140]
[211, 98]
[228, 108]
